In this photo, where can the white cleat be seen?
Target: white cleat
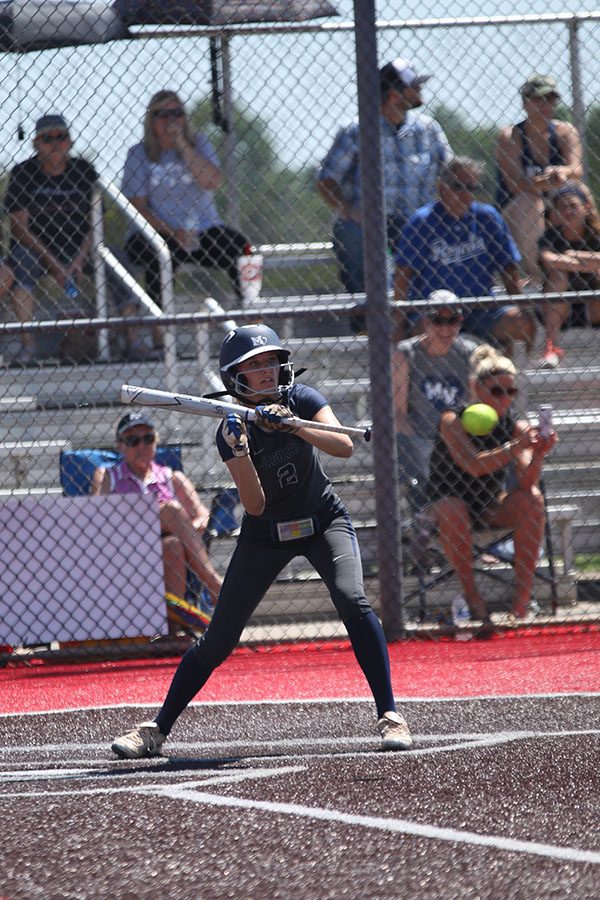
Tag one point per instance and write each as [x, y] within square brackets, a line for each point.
[145, 740]
[394, 731]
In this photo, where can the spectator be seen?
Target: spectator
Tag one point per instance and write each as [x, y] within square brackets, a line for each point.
[6, 278]
[570, 259]
[183, 517]
[467, 483]
[414, 149]
[171, 177]
[461, 245]
[534, 156]
[430, 373]
[48, 200]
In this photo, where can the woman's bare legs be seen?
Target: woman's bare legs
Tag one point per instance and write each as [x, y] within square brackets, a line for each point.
[175, 520]
[456, 537]
[555, 312]
[524, 215]
[174, 564]
[524, 512]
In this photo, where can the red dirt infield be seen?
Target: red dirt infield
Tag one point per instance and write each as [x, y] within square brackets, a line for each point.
[519, 664]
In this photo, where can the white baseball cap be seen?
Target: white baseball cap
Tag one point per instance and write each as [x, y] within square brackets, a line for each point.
[400, 74]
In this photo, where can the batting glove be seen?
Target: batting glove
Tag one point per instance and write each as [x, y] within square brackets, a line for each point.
[271, 417]
[235, 435]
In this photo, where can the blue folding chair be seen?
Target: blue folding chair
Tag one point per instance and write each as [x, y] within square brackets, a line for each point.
[77, 467]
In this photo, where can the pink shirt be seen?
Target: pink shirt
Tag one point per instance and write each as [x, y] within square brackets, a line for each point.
[160, 482]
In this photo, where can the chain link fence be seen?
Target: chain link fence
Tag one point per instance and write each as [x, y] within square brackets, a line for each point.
[139, 173]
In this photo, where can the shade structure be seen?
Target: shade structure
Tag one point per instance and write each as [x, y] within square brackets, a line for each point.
[38, 24]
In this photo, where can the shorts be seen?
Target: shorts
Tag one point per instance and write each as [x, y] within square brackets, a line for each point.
[27, 267]
[482, 322]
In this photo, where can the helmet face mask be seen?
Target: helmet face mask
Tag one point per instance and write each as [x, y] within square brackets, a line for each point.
[244, 343]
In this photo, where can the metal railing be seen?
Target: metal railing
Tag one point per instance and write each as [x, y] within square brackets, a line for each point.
[105, 259]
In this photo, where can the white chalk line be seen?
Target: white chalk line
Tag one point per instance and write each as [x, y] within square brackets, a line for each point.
[398, 826]
[188, 792]
[230, 777]
[391, 825]
[308, 701]
[446, 741]
[241, 744]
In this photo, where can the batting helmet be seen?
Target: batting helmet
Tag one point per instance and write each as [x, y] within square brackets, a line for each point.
[244, 343]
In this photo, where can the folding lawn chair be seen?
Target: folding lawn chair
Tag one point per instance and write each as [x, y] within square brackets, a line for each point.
[423, 533]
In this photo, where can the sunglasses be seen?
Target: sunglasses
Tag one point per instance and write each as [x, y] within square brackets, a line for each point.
[54, 138]
[471, 187]
[499, 391]
[168, 114]
[138, 439]
[446, 320]
[546, 98]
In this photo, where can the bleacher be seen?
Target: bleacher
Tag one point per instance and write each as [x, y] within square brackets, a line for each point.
[48, 408]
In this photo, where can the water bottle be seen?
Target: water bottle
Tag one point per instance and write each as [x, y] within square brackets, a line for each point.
[192, 241]
[71, 289]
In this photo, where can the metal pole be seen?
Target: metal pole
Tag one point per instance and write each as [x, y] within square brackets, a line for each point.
[380, 322]
[233, 200]
[99, 272]
[577, 87]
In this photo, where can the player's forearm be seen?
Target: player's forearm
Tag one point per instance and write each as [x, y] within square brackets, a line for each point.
[331, 443]
[250, 490]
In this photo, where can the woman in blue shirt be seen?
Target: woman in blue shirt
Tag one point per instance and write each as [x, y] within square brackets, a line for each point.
[170, 178]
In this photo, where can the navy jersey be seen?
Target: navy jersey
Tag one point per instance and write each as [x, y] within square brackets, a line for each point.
[289, 468]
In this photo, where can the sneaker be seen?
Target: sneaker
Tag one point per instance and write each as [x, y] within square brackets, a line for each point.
[145, 740]
[394, 731]
[551, 356]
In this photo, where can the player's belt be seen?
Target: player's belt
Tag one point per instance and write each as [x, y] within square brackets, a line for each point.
[295, 529]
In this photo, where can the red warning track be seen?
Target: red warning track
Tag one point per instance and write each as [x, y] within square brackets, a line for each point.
[534, 664]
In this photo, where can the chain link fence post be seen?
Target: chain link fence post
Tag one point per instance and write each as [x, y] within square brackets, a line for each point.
[380, 323]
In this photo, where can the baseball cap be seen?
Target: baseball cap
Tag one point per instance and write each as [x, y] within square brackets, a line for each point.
[400, 74]
[442, 299]
[49, 122]
[570, 187]
[130, 420]
[539, 86]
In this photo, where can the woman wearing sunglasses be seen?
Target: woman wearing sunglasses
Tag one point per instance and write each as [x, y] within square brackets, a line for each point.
[170, 178]
[183, 517]
[431, 373]
[467, 483]
[570, 259]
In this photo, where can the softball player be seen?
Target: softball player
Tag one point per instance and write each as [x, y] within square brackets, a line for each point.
[290, 509]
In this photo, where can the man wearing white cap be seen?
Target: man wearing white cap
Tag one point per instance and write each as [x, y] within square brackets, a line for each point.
[430, 374]
[414, 149]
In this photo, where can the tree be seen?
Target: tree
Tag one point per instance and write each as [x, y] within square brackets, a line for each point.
[278, 204]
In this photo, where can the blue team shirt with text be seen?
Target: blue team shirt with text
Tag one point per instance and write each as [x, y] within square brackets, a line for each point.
[289, 469]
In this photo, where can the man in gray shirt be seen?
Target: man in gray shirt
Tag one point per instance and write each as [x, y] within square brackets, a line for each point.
[430, 374]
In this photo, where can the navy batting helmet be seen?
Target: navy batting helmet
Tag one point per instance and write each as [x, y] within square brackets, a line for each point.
[244, 343]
